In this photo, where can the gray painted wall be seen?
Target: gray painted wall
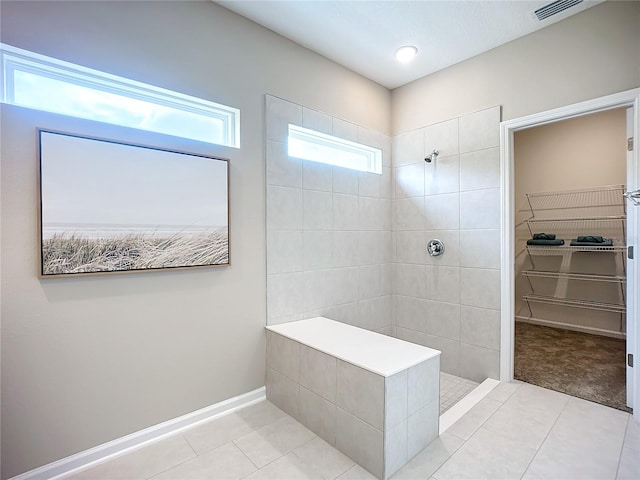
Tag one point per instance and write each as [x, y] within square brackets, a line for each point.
[87, 360]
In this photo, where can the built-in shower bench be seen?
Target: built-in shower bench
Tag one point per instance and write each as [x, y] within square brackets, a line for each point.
[373, 397]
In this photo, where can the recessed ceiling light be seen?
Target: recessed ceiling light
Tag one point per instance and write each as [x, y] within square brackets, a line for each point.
[406, 54]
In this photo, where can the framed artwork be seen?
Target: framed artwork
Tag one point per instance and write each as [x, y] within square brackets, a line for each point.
[108, 207]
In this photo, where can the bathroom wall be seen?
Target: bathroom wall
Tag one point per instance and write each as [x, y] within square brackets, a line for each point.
[591, 54]
[328, 228]
[582, 152]
[450, 302]
[588, 55]
[87, 360]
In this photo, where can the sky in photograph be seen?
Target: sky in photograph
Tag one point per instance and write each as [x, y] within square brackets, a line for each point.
[96, 182]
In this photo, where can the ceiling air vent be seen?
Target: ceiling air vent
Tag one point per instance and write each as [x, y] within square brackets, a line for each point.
[555, 7]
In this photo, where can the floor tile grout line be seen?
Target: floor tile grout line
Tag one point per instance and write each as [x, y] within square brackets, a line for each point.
[624, 436]
[547, 435]
[314, 438]
[189, 443]
[247, 457]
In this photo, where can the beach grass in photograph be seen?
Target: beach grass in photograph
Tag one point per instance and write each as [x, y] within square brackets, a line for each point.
[70, 253]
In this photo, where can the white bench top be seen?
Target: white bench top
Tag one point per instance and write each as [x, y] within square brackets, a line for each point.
[372, 351]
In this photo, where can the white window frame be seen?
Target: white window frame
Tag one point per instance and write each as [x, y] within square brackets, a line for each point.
[16, 59]
[372, 154]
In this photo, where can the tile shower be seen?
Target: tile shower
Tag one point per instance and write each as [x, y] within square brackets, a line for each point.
[351, 245]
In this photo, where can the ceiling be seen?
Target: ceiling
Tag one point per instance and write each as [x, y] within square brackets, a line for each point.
[364, 35]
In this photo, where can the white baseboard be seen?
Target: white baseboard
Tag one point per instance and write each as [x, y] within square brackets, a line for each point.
[454, 414]
[119, 446]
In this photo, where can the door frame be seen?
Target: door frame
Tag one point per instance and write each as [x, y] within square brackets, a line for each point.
[629, 98]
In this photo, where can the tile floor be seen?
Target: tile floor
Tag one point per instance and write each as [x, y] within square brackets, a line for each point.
[518, 431]
[453, 389]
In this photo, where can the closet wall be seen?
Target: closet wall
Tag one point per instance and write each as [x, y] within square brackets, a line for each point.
[580, 153]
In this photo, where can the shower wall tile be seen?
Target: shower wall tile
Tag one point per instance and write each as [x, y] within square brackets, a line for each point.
[318, 210]
[477, 363]
[411, 247]
[370, 282]
[443, 137]
[283, 355]
[374, 213]
[408, 148]
[422, 428]
[442, 212]
[450, 358]
[285, 294]
[361, 393]
[360, 441]
[375, 184]
[480, 327]
[410, 214]
[317, 176]
[318, 251]
[410, 280]
[460, 205]
[480, 288]
[318, 372]
[318, 414]
[284, 207]
[375, 313]
[345, 180]
[318, 121]
[480, 209]
[442, 176]
[421, 391]
[285, 253]
[409, 180]
[345, 249]
[480, 130]
[345, 130]
[318, 289]
[345, 285]
[442, 319]
[329, 241]
[386, 276]
[347, 313]
[412, 336]
[442, 283]
[374, 247]
[284, 318]
[283, 392]
[396, 391]
[411, 313]
[366, 136]
[451, 240]
[345, 212]
[395, 448]
[480, 248]
[279, 114]
[480, 169]
[282, 169]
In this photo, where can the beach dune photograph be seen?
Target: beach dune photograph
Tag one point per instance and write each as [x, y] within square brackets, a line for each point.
[112, 207]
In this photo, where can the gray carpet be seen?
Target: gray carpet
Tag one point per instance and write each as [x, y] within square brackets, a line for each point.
[579, 364]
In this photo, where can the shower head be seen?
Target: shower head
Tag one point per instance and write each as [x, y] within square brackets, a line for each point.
[430, 158]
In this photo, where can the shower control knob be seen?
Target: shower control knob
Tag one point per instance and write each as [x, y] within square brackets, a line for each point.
[435, 247]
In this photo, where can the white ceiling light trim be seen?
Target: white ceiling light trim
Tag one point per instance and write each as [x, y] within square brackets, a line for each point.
[406, 54]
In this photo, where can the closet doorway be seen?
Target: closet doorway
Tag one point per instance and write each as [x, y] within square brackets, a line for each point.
[570, 264]
[569, 288]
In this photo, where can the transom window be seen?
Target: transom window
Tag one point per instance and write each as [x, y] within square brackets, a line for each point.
[44, 83]
[320, 147]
